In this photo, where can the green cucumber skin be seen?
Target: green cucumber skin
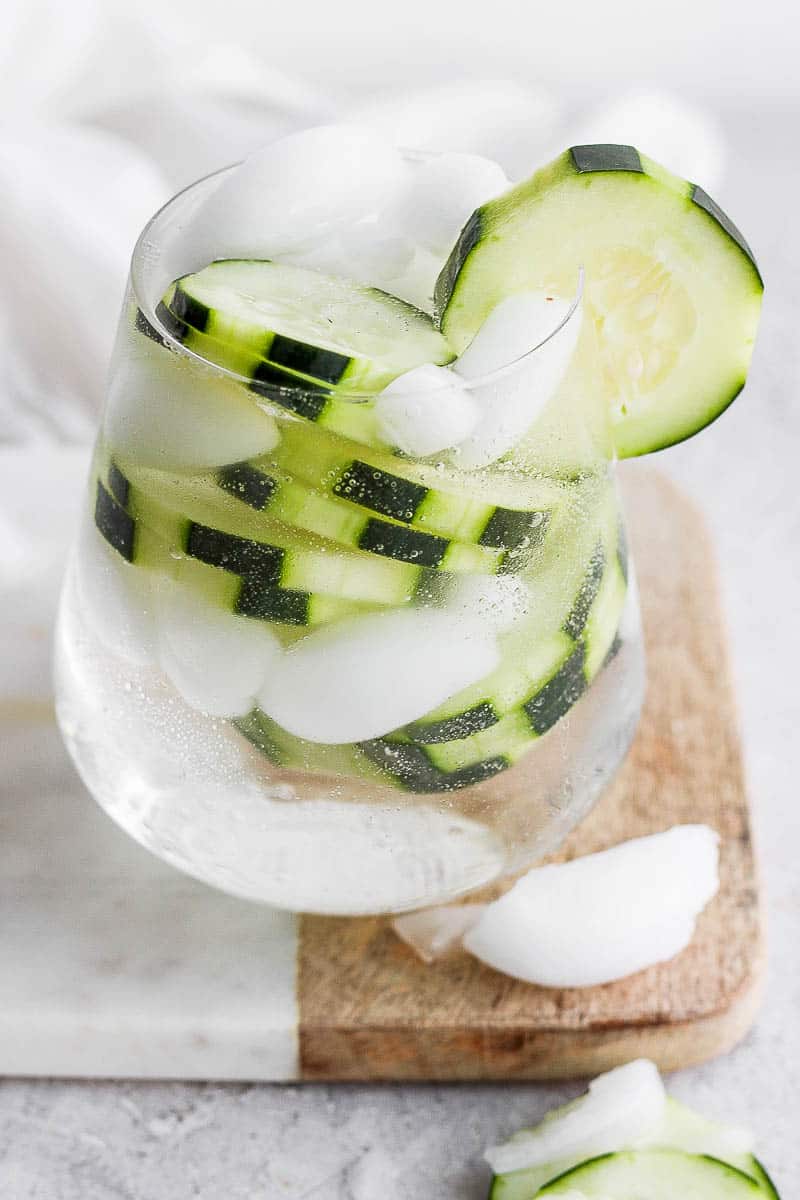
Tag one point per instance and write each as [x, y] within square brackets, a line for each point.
[115, 524]
[762, 1177]
[373, 535]
[582, 161]
[402, 499]
[259, 569]
[256, 567]
[713, 1179]
[297, 357]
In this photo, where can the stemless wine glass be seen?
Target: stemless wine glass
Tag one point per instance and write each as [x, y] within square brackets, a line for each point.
[331, 721]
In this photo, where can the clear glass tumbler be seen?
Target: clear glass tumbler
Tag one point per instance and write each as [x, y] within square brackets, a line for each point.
[247, 568]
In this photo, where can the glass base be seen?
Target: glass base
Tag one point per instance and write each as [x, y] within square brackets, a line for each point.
[190, 788]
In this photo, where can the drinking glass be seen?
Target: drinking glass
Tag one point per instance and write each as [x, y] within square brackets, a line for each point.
[207, 549]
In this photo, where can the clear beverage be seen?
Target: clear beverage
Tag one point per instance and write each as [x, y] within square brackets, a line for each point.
[221, 638]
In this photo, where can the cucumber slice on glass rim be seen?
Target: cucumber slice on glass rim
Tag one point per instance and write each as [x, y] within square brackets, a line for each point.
[671, 284]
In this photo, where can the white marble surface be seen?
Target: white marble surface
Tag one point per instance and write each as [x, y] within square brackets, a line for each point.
[115, 964]
[145, 1141]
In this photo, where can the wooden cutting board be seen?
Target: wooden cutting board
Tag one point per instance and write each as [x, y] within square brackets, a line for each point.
[369, 1009]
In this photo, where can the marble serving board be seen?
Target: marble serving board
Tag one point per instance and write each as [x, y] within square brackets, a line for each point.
[112, 964]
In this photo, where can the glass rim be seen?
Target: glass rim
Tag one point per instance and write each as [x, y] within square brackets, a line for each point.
[303, 388]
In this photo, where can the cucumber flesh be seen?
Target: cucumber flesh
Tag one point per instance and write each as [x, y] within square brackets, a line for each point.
[654, 1175]
[671, 285]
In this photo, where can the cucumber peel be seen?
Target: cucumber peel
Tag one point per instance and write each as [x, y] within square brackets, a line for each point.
[671, 284]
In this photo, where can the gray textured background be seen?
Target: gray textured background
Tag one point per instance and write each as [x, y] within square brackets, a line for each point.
[139, 1141]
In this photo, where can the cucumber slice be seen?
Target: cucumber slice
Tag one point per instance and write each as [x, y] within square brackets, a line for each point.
[285, 750]
[482, 744]
[654, 1175]
[299, 394]
[321, 326]
[299, 336]
[295, 503]
[671, 284]
[682, 1129]
[260, 569]
[493, 510]
[549, 661]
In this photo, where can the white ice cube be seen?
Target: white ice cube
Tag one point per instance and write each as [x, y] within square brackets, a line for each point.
[603, 916]
[441, 194]
[497, 601]
[375, 253]
[621, 1107]
[416, 283]
[425, 410]
[526, 322]
[363, 676]
[164, 409]
[298, 188]
[216, 660]
[115, 597]
[434, 932]
[365, 251]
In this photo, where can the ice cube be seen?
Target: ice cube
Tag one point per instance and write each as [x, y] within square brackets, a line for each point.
[115, 598]
[374, 253]
[299, 187]
[363, 676]
[498, 601]
[364, 251]
[441, 194]
[165, 409]
[425, 410]
[415, 285]
[434, 932]
[621, 1107]
[216, 660]
[528, 321]
[604, 916]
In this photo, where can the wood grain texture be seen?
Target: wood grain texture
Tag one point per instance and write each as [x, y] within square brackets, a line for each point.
[369, 1009]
